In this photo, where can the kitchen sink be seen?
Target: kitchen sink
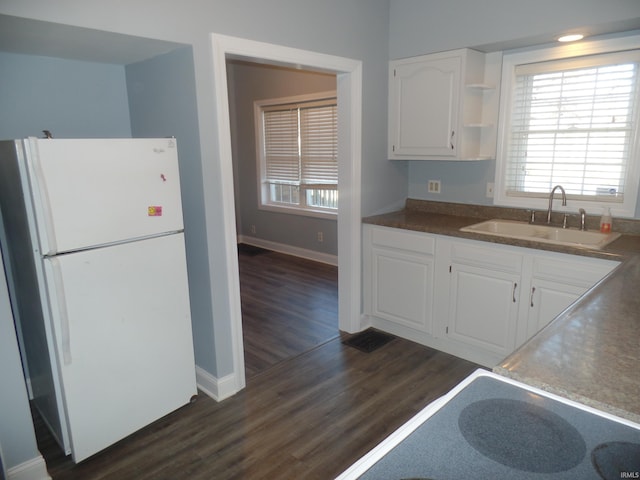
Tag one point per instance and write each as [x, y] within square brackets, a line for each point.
[542, 233]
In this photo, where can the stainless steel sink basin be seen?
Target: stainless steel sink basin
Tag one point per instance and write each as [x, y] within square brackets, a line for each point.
[542, 233]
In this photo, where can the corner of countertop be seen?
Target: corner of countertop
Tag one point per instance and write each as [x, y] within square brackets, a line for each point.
[568, 394]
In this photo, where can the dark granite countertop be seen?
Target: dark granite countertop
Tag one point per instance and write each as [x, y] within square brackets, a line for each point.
[591, 352]
[448, 218]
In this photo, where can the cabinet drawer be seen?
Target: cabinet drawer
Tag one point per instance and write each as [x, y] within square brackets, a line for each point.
[404, 240]
[493, 258]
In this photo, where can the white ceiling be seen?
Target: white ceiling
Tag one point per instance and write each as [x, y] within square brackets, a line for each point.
[621, 27]
[34, 37]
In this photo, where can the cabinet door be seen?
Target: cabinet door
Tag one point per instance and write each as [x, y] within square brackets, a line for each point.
[402, 288]
[122, 327]
[423, 107]
[483, 307]
[557, 281]
[547, 300]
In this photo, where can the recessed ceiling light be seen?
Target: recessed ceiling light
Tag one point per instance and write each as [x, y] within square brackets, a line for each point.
[571, 38]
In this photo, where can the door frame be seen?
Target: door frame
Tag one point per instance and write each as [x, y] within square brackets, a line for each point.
[349, 92]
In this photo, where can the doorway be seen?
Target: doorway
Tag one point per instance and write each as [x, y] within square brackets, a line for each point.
[349, 91]
[287, 254]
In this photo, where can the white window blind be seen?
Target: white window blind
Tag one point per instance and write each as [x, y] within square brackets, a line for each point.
[572, 123]
[300, 153]
[319, 145]
[281, 145]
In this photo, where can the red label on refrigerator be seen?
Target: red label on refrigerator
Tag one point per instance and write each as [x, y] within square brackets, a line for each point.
[154, 211]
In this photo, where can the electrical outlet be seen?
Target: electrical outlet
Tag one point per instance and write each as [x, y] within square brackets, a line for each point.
[433, 186]
[489, 190]
[253, 229]
[320, 237]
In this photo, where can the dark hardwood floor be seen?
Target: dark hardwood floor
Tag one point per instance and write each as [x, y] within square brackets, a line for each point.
[289, 305]
[308, 411]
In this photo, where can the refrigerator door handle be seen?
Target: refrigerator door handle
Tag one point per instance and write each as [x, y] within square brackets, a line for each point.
[40, 199]
[63, 315]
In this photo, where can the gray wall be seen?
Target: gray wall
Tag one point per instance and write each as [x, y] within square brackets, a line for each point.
[72, 99]
[258, 82]
[17, 437]
[425, 26]
[162, 102]
[358, 30]
[153, 98]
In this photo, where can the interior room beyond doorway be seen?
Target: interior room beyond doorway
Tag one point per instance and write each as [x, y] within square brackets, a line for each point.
[289, 304]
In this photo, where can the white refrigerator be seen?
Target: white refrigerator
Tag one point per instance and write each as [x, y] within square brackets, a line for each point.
[94, 246]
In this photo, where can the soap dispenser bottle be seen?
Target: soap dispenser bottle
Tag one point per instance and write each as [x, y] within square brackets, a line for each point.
[605, 221]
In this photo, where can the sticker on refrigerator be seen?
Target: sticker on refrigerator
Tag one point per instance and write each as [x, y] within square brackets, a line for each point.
[154, 211]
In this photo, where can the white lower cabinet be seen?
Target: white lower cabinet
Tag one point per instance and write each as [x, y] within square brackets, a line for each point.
[546, 300]
[400, 276]
[477, 300]
[557, 281]
[483, 297]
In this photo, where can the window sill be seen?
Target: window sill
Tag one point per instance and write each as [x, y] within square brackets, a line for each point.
[305, 212]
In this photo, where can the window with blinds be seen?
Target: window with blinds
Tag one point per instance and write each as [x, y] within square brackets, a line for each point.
[299, 154]
[573, 122]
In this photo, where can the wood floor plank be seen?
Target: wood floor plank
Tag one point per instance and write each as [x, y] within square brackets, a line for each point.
[309, 415]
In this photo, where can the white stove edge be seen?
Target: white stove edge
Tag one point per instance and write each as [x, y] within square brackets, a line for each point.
[384, 447]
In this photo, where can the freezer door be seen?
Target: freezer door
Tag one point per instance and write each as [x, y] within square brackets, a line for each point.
[89, 192]
[123, 333]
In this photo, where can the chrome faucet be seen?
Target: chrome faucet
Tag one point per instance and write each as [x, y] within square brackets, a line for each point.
[583, 219]
[564, 200]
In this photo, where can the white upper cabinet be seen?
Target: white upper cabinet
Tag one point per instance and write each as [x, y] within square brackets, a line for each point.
[439, 105]
[423, 107]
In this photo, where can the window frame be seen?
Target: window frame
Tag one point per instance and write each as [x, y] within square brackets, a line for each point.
[527, 56]
[264, 202]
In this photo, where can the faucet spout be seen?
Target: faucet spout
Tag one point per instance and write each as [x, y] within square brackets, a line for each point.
[583, 219]
[564, 200]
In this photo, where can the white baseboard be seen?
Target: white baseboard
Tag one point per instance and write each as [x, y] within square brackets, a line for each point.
[290, 250]
[34, 469]
[216, 388]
